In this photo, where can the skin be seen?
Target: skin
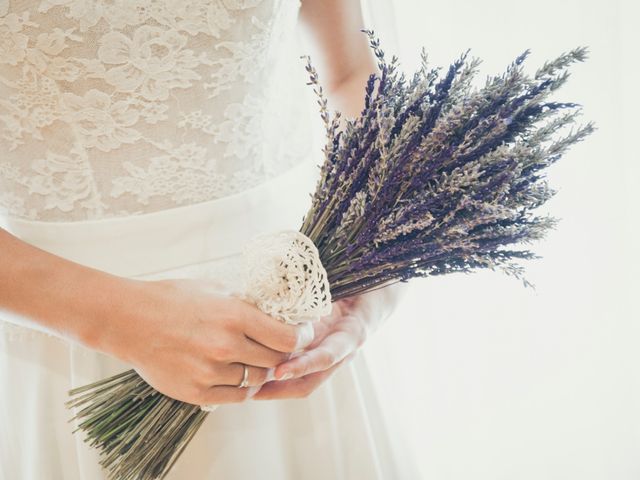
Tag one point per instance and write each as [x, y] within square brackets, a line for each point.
[337, 338]
[188, 338]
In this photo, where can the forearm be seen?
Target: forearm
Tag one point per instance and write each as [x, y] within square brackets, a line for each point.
[47, 292]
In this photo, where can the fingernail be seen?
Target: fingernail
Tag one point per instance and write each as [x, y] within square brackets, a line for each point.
[251, 391]
[286, 376]
[270, 374]
[305, 335]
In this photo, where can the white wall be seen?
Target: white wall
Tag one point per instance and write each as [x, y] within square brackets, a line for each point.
[494, 381]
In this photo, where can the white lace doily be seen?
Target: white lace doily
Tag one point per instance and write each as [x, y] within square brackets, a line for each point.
[284, 277]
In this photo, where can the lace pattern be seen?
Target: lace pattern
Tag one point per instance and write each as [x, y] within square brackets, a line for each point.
[123, 108]
[283, 276]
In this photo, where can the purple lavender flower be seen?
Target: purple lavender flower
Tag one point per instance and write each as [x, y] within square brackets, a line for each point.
[436, 177]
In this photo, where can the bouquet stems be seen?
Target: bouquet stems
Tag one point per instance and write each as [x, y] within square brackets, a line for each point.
[132, 417]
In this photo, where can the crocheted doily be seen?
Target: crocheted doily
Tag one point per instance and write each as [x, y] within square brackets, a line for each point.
[282, 275]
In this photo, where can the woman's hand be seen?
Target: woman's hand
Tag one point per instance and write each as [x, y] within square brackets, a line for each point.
[337, 338]
[188, 339]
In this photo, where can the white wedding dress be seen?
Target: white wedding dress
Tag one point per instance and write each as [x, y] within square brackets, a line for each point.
[151, 139]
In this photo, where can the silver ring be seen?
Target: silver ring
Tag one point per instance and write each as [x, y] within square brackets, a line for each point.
[245, 377]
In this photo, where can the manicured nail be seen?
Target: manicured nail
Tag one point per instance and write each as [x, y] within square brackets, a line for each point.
[306, 333]
[286, 376]
[270, 374]
[251, 391]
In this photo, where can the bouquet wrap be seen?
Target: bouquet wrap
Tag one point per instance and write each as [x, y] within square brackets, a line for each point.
[282, 275]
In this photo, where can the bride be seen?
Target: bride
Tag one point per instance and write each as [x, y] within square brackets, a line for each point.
[142, 144]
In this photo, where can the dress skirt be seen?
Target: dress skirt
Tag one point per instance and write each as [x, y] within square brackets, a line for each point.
[339, 432]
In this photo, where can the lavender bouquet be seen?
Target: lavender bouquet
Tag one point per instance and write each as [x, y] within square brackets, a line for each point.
[434, 176]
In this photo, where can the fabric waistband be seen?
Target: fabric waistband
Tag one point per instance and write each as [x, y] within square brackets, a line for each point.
[152, 242]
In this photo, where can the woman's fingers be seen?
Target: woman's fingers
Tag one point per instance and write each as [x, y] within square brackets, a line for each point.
[275, 334]
[253, 353]
[230, 391]
[333, 349]
[297, 387]
[323, 327]
[233, 374]
[220, 394]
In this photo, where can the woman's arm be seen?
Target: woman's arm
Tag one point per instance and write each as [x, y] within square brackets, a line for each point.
[182, 336]
[47, 292]
[340, 52]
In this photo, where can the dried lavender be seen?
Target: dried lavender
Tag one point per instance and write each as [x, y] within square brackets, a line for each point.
[435, 176]
[432, 177]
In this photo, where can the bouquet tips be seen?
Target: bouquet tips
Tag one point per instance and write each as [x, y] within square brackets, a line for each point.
[434, 176]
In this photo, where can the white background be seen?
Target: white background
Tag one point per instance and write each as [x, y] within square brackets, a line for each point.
[491, 380]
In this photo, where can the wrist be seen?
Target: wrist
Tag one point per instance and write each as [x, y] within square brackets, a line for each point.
[79, 303]
[49, 293]
[105, 320]
[100, 299]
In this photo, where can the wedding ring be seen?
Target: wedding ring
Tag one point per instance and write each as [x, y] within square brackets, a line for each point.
[245, 377]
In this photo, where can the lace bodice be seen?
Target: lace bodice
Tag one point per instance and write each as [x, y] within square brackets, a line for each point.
[118, 107]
